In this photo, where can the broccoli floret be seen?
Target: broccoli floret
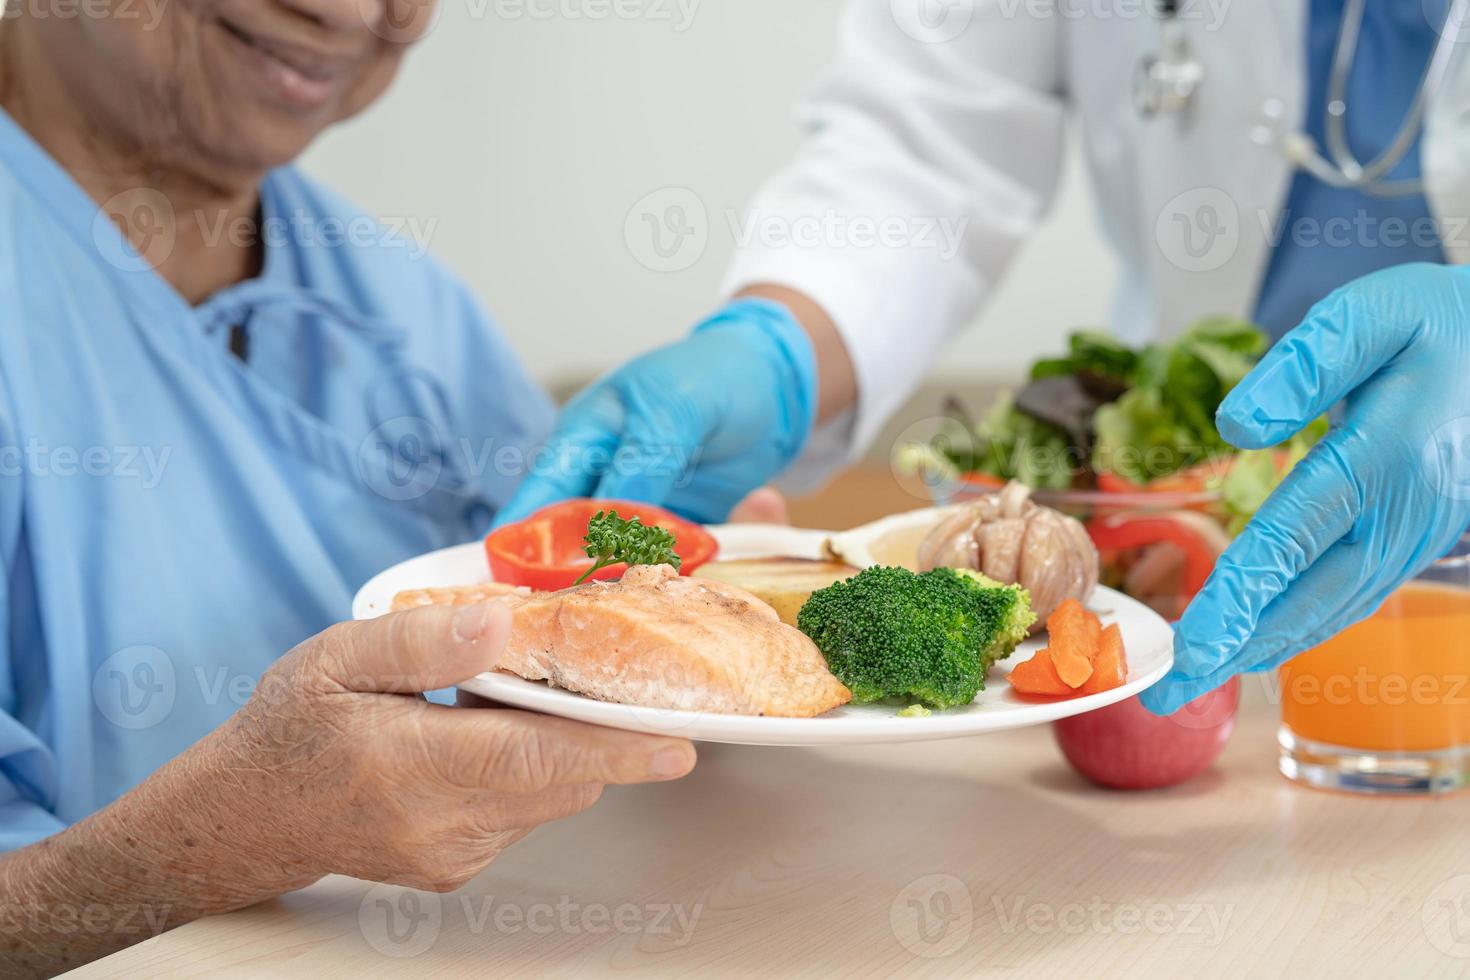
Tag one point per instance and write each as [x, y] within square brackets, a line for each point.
[930, 637]
[915, 711]
[1012, 605]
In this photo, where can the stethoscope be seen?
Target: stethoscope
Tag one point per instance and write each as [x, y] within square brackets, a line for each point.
[1169, 81]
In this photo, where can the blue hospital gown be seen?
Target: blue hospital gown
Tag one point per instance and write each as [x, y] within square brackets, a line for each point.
[172, 518]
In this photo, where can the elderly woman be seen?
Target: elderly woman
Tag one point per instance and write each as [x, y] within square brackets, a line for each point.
[226, 399]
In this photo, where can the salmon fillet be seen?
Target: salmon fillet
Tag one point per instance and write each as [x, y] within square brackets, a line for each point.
[665, 641]
[454, 595]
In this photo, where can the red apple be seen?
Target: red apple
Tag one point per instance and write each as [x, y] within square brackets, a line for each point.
[1125, 746]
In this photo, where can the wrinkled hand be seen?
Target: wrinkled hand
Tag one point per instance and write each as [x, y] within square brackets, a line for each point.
[338, 765]
[1383, 496]
[694, 426]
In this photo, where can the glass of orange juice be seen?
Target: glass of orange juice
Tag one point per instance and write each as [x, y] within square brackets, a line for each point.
[1384, 707]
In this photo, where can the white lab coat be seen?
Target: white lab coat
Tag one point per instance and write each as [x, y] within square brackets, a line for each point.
[970, 129]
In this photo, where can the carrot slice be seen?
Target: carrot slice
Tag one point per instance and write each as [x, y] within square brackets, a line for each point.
[1073, 643]
[1038, 676]
[1110, 670]
[1094, 631]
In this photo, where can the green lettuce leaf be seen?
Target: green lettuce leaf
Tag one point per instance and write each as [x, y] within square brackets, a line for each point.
[1140, 437]
[1011, 445]
[1254, 475]
[1090, 351]
[1166, 421]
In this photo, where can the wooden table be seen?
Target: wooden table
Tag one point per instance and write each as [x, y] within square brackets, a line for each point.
[979, 856]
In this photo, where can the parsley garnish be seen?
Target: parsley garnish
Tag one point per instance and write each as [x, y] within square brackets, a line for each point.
[611, 540]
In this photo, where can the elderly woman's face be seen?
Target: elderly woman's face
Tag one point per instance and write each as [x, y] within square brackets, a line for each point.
[247, 83]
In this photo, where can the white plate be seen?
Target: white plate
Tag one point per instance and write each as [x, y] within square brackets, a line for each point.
[1147, 637]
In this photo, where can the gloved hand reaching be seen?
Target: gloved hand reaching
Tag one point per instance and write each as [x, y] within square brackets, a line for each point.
[694, 426]
[1383, 496]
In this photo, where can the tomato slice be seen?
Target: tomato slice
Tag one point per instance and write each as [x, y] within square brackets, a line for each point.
[982, 481]
[1199, 537]
[1196, 479]
[544, 551]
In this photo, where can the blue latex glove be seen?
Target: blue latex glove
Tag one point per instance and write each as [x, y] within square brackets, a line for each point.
[1383, 496]
[694, 426]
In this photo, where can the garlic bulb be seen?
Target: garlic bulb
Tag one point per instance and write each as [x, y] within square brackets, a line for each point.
[1012, 539]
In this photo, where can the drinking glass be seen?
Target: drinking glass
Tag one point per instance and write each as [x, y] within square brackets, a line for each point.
[1384, 707]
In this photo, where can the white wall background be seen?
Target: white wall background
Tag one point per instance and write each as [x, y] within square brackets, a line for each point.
[523, 142]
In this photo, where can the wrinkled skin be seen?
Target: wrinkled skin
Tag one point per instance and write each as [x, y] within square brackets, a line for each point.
[335, 766]
[169, 113]
[421, 795]
[178, 85]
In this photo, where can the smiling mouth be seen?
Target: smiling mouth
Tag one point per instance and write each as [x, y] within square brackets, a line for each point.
[301, 78]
